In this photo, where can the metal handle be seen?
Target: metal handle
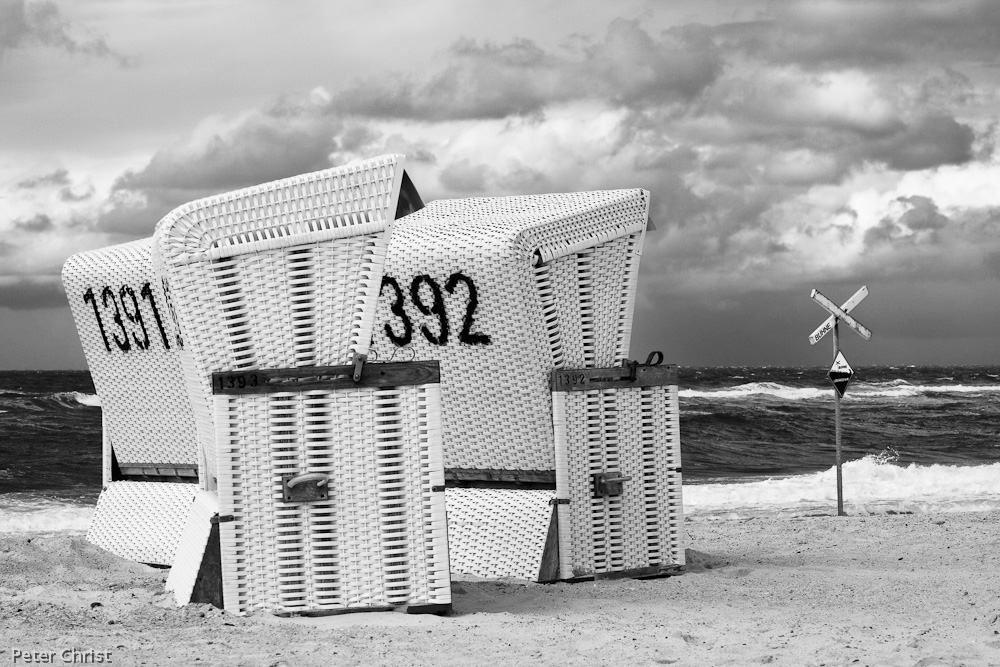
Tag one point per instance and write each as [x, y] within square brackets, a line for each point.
[320, 478]
[306, 487]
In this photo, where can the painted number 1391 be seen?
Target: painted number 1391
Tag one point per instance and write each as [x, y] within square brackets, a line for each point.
[123, 301]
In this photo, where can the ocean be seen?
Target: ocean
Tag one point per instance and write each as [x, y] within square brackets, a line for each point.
[754, 441]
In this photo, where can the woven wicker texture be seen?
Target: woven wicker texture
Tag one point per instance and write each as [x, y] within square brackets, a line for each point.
[141, 521]
[498, 532]
[501, 291]
[107, 453]
[634, 431]
[131, 347]
[379, 540]
[279, 275]
[191, 546]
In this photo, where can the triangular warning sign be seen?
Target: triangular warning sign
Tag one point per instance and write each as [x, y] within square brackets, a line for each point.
[841, 373]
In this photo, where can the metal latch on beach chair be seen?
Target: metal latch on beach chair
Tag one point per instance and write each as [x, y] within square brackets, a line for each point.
[608, 483]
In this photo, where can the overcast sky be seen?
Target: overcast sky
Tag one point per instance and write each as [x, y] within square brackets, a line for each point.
[787, 146]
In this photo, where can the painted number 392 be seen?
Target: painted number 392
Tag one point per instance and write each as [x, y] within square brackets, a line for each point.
[421, 289]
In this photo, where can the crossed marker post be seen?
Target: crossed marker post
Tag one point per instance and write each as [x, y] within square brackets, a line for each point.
[841, 372]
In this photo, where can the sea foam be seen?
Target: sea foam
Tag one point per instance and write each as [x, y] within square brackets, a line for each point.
[858, 390]
[34, 515]
[70, 398]
[756, 389]
[872, 484]
[92, 400]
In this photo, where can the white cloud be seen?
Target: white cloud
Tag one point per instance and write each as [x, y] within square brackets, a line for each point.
[574, 146]
[929, 222]
[850, 99]
[956, 188]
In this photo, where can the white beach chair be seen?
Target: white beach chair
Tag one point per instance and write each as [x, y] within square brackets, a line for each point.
[150, 470]
[503, 291]
[328, 470]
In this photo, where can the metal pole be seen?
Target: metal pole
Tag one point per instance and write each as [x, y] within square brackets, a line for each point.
[836, 417]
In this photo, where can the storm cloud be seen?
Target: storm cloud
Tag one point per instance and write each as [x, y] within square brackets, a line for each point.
[786, 145]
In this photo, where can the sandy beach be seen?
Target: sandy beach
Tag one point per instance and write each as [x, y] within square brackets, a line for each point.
[901, 589]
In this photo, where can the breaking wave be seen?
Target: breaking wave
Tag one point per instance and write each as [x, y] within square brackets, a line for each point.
[874, 484]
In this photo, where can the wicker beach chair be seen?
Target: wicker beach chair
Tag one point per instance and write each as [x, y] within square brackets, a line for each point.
[327, 470]
[503, 291]
[150, 470]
